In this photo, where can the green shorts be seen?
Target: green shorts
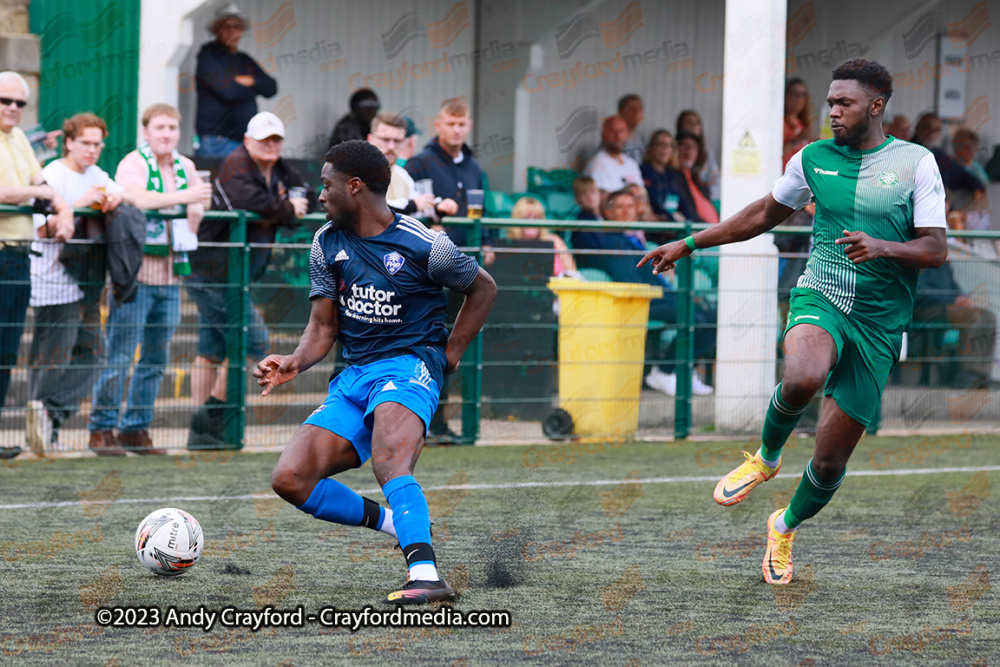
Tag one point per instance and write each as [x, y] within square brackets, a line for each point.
[865, 354]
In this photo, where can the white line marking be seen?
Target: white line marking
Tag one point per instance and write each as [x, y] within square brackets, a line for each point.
[516, 485]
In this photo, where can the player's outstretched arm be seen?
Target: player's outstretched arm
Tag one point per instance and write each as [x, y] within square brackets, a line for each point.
[928, 251]
[315, 344]
[761, 216]
[479, 298]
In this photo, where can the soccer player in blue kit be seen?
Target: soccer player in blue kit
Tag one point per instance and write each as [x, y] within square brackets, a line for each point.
[377, 286]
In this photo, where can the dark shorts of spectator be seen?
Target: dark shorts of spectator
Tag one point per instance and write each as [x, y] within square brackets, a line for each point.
[213, 322]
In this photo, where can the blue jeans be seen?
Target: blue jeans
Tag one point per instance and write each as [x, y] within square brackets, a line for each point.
[150, 321]
[15, 290]
[213, 145]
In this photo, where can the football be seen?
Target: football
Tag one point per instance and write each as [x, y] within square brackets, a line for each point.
[169, 542]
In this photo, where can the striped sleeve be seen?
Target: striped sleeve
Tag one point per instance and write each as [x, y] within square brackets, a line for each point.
[449, 267]
[322, 276]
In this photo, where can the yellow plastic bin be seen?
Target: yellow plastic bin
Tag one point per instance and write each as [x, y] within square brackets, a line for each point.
[602, 343]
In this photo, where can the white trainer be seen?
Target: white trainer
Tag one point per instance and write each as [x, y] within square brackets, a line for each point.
[665, 383]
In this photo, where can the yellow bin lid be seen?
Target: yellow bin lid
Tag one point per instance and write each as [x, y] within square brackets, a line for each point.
[620, 290]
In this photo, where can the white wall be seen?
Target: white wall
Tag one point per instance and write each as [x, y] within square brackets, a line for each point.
[885, 33]
[679, 44]
[321, 51]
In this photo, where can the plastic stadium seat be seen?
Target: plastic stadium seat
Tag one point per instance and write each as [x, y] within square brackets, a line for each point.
[497, 204]
[552, 180]
[595, 275]
[560, 206]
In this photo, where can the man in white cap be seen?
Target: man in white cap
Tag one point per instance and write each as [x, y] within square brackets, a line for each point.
[253, 178]
[228, 82]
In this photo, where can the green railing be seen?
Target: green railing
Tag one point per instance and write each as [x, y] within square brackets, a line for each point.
[238, 289]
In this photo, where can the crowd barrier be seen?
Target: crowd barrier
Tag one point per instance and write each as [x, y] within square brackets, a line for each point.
[508, 383]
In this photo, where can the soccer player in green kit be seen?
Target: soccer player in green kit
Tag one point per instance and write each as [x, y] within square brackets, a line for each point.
[880, 217]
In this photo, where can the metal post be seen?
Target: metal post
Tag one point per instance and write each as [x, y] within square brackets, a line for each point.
[472, 366]
[238, 299]
[684, 349]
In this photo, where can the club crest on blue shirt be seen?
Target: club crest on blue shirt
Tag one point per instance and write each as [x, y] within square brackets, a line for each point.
[393, 262]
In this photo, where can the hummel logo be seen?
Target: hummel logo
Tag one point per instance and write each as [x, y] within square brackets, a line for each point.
[810, 317]
[389, 385]
[825, 172]
[341, 256]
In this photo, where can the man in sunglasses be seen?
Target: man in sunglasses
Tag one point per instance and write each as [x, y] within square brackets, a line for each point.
[21, 181]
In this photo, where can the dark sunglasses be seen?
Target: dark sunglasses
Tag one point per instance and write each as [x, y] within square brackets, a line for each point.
[6, 101]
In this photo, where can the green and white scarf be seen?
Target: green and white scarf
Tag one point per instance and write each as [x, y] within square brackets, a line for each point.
[157, 236]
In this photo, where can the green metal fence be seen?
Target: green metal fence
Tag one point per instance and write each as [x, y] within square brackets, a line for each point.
[507, 385]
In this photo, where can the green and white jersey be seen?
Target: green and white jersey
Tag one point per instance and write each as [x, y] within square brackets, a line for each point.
[886, 192]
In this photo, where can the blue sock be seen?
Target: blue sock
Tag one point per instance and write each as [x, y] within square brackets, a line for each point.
[334, 502]
[412, 520]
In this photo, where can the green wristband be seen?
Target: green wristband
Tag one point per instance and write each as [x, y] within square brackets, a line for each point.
[689, 242]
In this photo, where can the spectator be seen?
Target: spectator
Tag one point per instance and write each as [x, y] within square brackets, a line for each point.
[228, 82]
[621, 207]
[388, 133]
[65, 356]
[645, 211]
[976, 211]
[357, 124]
[449, 163]
[155, 176]
[689, 147]
[610, 168]
[21, 181]
[408, 147]
[588, 198]
[254, 177]
[642, 214]
[954, 176]
[706, 164]
[966, 145]
[899, 128]
[799, 129]
[630, 109]
[529, 208]
[669, 197]
[940, 301]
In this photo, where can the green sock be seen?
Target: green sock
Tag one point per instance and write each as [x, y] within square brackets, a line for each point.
[810, 497]
[778, 425]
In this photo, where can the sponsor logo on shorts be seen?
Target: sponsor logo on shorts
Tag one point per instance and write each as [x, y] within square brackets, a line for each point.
[318, 410]
[389, 386]
[807, 317]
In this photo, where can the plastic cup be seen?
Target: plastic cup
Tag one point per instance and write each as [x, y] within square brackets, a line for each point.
[297, 192]
[425, 186]
[474, 198]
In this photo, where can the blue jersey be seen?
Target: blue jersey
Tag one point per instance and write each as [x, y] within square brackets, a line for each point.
[388, 289]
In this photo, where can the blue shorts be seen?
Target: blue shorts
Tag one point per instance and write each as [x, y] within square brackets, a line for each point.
[358, 390]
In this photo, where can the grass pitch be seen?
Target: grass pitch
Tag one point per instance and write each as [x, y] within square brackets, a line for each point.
[641, 567]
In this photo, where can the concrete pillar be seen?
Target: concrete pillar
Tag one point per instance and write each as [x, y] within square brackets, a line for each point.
[165, 39]
[752, 110]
